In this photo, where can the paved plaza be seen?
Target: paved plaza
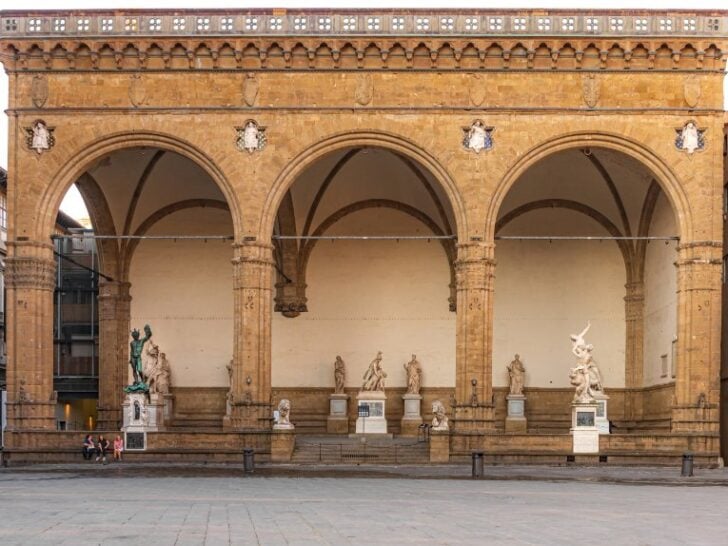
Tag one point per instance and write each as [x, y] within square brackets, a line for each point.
[125, 505]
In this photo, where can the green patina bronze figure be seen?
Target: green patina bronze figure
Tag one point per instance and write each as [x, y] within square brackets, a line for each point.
[135, 360]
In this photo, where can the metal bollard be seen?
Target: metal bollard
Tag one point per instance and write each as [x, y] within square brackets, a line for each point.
[248, 460]
[477, 464]
[687, 465]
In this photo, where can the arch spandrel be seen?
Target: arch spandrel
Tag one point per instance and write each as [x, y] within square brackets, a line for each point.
[87, 153]
[664, 173]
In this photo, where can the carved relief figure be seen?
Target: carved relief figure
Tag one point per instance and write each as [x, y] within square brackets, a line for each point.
[339, 375]
[375, 375]
[22, 393]
[477, 137]
[517, 375]
[690, 138]
[251, 137]
[414, 375]
[40, 140]
[439, 420]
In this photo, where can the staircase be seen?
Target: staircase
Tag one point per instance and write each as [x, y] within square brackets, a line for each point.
[345, 450]
[197, 422]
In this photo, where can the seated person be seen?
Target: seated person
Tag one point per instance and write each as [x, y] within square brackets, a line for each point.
[88, 447]
[118, 447]
[102, 446]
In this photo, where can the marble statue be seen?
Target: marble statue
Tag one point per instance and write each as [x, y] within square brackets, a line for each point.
[251, 137]
[414, 375]
[375, 375]
[478, 138]
[284, 413]
[160, 376]
[135, 359]
[41, 137]
[517, 375]
[585, 377]
[689, 138]
[339, 375]
[439, 420]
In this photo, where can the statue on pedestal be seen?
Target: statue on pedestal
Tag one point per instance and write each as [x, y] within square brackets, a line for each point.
[586, 376]
[375, 375]
[339, 375]
[414, 375]
[439, 420]
[517, 375]
[135, 360]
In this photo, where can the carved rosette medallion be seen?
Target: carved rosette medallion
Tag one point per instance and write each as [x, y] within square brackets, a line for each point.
[364, 91]
[692, 90]
[690, 138]
[250, 137]
[591, 89]
[137, 90]
[39, 90]
[39, 137]
[251, 87]
[477, 137]
[476, 90]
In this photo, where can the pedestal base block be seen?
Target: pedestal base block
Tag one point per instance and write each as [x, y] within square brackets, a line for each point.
[516, 419]
[282, 444]
[371, 411]
[338, 420]
[439, 447]
[584, 431]
[412, 419]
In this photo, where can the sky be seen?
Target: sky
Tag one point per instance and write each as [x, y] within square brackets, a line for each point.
[73, 204]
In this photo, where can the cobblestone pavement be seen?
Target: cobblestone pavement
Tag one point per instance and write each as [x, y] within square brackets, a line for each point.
[72, 504]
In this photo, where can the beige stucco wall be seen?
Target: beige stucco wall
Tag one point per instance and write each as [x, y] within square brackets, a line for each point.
[183, 289]
[365, 296]
[660, 297]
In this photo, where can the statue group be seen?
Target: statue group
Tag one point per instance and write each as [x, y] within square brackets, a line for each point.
[585, 376]
[374, 377]
[150, 368]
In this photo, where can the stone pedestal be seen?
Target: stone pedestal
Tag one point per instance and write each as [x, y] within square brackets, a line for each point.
[282, 444]
[139, 417]
[375, 422]
[412, 418]
[602, 421]
[440, 446]
[338, 419]
[516, 418]
[584, 431]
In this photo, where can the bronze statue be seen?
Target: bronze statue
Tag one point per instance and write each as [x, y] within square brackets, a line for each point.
[135, 356]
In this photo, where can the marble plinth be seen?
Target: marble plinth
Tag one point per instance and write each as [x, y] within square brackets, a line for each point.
[584, 431]
[516, 417]
[412, 418]
[602, 420]
[376, 421]
[338, 420]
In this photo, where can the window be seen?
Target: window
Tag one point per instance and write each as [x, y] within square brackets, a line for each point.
[324, 23]
[34, 25]
[107, 25]
[300, 23]
[179, 23]
[471, 23]
[251, 23]
[83, 25]
[592, 24]
[519, 23]
[275, 23]
[713, 24]
[673, 358]
[131, 24]
[59, 25]
[11, 24]
[447, 23]
[616, 24]
[155, 24]
[422, 23]
[640, 25]
[203, 24]
[568, 23]
[373, 23]
[663, 365]
[666, 25]
[495, 23]
[3, 212]
[397, 23]
[543, 24]
[689, 25]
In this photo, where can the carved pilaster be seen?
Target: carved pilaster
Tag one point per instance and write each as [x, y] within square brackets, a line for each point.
[114, 317]
[634, 310]
[697, 387]
[253, 269]
[30, 281]
[475, 271]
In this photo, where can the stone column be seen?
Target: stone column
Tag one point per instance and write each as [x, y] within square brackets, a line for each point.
[253, 269]
[634, 311]
[474, 331]
[114, 317]
[30, 282]
[697, 387]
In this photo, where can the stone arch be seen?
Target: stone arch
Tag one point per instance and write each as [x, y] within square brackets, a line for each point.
[376, 139]
[663, 174]
[78, 162]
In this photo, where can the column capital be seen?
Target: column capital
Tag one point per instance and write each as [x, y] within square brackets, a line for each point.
[29, 272]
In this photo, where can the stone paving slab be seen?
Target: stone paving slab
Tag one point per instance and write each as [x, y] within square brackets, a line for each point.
[180, 505]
